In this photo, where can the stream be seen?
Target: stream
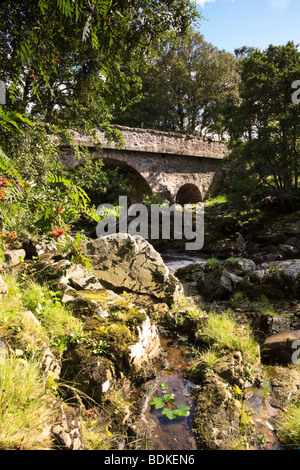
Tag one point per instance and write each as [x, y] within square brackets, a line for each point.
[177, 434]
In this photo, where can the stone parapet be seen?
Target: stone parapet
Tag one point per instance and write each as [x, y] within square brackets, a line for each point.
[152, 141]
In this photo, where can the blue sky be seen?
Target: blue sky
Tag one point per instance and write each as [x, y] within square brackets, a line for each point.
[230, 24]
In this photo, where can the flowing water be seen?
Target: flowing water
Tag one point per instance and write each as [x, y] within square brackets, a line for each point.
[179, 260]
[256, 398]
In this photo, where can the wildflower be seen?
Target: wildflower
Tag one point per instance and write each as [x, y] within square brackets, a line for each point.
[13, 235]
[2, 195]
[3, 182]
[57, 232]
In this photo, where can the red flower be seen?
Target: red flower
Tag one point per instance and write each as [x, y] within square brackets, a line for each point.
[13, 235]
[3, 182]
[57, 232]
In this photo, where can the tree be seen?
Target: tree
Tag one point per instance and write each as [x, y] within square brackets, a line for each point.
[71, 62]
[66, 65]
[185, 87]
[264, 126]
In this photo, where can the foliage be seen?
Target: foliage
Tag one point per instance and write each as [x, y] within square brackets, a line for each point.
[185, 87]
[226, 335]
[25, 409]
[263, 125]
[167, 403]
[71, 62]
[61, 326]
[101, 185]
[288, 427]
[66, 66]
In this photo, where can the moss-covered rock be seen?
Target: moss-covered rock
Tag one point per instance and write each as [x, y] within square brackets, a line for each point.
[277, 280]
[217, 415]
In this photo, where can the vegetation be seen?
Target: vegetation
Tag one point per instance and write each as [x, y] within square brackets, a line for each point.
[66, 66]
[288, 427]
[263, 125]
[167, 403]
[221, 334]
[184, 89]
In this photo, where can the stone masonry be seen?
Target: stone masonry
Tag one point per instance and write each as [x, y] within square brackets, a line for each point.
[182, 168]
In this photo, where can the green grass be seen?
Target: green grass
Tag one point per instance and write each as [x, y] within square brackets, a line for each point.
[288, 427]
[61, 326]
[25, 406]
[27, 394]
[216, 200]
[226, 335]
[223, 335]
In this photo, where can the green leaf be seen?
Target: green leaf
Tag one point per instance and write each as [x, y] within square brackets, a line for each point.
[184, 410]
[164, 386]
[169, 397]
[168, 413]
[158, 403]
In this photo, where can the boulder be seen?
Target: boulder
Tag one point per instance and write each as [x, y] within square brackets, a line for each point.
[281, 348]
[124, 262]
[62, 274]
[217, 415]
[277, 280]
[216, 283]
[239, 266]
[147, 347]
[35, 247]
[14, 257]
[231, 369]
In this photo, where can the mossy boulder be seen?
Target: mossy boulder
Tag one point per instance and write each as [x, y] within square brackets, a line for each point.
[120, 344]
[216, 283]
[217, 415]
[277, 280]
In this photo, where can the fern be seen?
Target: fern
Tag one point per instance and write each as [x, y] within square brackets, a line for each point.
[8, 168]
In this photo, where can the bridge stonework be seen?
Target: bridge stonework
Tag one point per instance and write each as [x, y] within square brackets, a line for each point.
[181, 168]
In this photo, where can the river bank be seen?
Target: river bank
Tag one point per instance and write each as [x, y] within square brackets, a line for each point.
[151, 327]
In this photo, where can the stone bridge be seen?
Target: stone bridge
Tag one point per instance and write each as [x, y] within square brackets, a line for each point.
[181, 168]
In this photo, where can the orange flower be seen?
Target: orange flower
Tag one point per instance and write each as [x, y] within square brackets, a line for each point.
[3, 182]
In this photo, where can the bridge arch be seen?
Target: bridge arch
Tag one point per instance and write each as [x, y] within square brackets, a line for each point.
[135, 178]
[189, 193]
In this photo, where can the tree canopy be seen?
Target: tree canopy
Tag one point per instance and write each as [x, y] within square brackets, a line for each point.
[264, 127]
[185, 88]
[72, 62]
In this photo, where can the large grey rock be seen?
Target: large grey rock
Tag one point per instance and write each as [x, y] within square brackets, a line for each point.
[277, 280]
[281, 348]
[124, 262]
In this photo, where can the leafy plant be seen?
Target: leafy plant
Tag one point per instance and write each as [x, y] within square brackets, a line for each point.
[169, 411]
[100, 348]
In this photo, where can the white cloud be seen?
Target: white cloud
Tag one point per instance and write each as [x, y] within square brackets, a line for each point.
[202, 3]
[278, 4]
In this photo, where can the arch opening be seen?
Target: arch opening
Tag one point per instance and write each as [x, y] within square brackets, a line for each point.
[188, 194]
[138, 184]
